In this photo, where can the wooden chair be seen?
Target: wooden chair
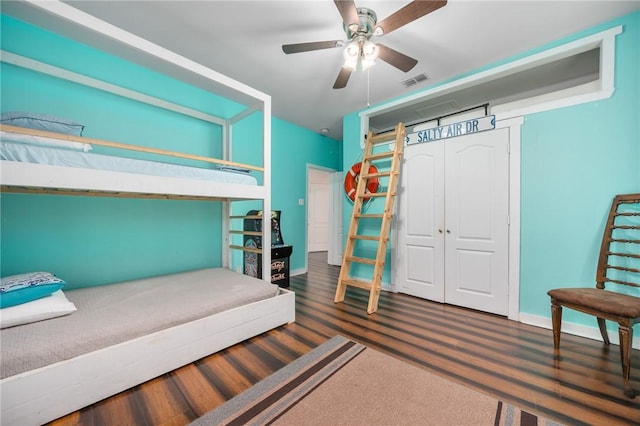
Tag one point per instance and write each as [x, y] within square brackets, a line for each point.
[618, 264]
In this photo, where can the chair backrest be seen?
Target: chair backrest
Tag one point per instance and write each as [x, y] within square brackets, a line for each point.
[619, 261]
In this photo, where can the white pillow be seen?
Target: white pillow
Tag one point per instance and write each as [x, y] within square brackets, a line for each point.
[55, 305]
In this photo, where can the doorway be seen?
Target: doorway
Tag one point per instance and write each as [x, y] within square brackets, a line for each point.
[453, 222]
[318, 210]
[324, 213]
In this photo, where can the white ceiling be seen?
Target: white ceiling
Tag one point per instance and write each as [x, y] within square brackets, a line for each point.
[243, 40]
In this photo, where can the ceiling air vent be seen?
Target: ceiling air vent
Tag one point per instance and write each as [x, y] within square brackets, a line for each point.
[415, 80]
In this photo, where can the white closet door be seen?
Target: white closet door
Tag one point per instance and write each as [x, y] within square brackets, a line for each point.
[419, 265]
[452, 223]
[477, 229]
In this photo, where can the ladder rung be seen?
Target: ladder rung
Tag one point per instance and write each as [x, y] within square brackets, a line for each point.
[383, 137]
[368, 237]
[357, 283]
[379, 155]
[375, 194]
[378, 174]
[255, 216]
[255, 233]
[370, 216]
[361, 260]
[243, 248]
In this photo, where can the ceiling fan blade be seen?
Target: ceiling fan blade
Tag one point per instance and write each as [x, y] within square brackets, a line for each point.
[348, 11]
[409, 13]
[314, 45]
[395, 58]
[343, 78]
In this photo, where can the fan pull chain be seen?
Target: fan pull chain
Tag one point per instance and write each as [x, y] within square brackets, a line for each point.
[368, 81]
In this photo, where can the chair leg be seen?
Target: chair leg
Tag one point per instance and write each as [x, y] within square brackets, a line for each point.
[556, 321]
[603, 330]
[626, 337]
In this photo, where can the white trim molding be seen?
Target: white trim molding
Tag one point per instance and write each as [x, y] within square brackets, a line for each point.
[584, 93]
[572, 328]
[514, 125]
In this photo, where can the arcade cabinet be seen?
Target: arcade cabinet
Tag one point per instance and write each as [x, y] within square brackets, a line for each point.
[280, 252]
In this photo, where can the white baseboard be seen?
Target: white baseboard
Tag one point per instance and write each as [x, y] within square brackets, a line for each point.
[299, 271]
[573, 328]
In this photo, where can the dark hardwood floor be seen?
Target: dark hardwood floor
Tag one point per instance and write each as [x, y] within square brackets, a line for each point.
[509, 360]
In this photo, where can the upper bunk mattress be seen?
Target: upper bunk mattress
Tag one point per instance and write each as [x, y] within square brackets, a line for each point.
[11, 150]
[114, 313]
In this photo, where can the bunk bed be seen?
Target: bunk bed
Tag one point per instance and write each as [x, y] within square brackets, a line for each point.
[35, 388]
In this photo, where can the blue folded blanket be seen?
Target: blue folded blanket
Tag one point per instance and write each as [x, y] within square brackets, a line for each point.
[234, 169]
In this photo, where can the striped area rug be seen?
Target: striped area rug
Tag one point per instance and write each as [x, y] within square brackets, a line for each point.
[342, 382]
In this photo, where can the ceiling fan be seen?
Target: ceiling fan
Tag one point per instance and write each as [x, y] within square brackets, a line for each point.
[361, 26]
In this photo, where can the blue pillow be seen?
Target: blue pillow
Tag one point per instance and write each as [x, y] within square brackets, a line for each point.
[23, 288]
[44, 122]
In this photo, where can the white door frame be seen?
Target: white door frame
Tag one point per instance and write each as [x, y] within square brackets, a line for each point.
[336, 225]
[514, 125]
[332, 222]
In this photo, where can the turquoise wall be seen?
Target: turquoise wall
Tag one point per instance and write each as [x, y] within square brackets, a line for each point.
[573, 161]
[290, 172]
[91, 241]
[292, 150]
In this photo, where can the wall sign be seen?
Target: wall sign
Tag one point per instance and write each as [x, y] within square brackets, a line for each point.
[452, 130]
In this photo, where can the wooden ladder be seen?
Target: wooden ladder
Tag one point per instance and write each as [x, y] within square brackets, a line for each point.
[393, 173]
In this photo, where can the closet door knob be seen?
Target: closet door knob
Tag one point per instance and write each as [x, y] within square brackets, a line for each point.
[440, 231]
[448, 231]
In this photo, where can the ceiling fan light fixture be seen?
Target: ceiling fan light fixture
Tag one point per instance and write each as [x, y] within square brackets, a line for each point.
[365, 64]
[369, 51]
[360, 55]
[352, 50]
[351, 54]
[369, 55]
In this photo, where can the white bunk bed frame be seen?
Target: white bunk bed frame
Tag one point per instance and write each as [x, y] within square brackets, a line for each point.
[47, 393]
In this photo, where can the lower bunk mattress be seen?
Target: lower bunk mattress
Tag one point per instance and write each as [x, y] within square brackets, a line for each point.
[111, 314]
[125, 334]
